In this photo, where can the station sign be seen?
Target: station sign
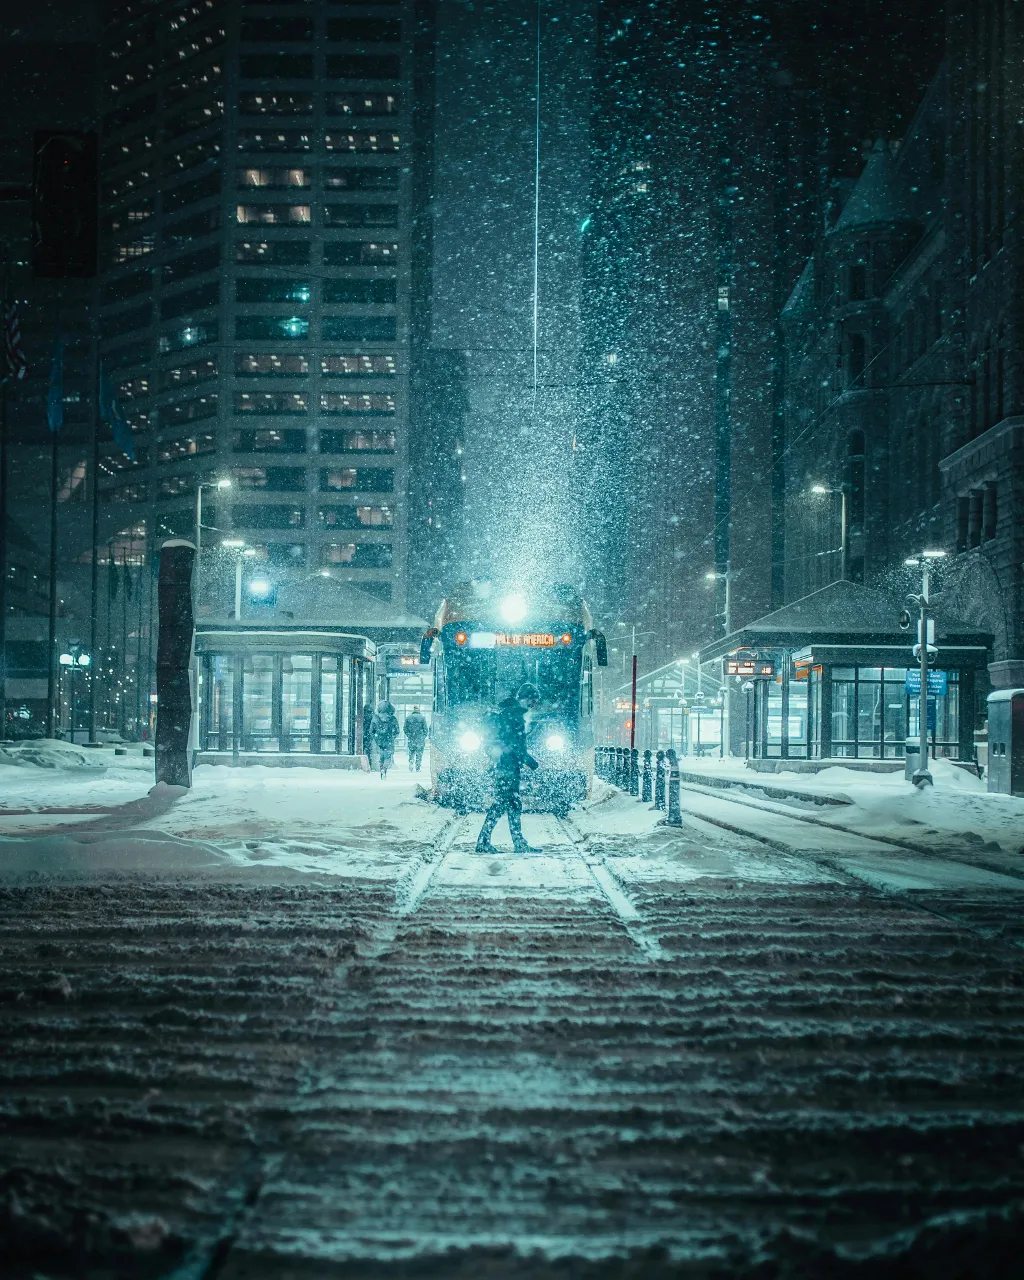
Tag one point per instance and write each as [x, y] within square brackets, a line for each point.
[750, 668]
[402, 663]
[938, 683]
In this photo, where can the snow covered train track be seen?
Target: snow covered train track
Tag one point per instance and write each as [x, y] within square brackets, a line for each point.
[688, 1048]
[958, 886]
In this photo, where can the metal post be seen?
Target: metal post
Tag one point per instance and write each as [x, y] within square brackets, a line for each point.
[659, 781]
[94, 584]
[844, 539]
[634, 772]
[675, 815]
[51, 666]
[238, 585]
[3, 556]
[632, 703]
[922, 777]
[647, 789]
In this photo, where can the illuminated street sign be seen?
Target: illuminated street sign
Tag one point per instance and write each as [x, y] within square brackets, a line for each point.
[750, 668]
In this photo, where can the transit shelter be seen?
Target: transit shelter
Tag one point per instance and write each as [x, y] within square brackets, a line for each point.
[282, 693]
[841, 683]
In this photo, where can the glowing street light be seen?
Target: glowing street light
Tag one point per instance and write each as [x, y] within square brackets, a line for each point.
[842, 489]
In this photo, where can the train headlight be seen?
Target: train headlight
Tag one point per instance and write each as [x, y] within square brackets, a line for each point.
[469, 741]
[555, 742]
[513, 608]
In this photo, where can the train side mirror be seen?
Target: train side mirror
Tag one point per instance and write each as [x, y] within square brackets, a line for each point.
[601, 645]
[426, 644]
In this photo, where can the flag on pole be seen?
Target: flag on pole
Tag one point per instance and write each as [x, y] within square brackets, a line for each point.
[55, 394]
[15, 364]
[113, 415]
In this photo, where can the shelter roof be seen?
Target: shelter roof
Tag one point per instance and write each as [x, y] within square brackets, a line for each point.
[841, 613]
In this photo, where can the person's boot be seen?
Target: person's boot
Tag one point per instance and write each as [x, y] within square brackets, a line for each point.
[519, 842]
[483, 840]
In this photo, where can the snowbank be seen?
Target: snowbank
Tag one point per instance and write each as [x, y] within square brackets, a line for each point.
[51, 753]
[253, 821]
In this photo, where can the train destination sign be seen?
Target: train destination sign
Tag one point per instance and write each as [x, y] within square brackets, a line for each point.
[750, 668]
[512, 639]
[532, 639]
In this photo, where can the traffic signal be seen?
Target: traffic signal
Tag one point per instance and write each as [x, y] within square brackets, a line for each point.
[64, 204]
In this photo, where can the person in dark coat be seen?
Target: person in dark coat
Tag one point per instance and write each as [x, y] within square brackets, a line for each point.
[384, 731]
[369, 747]
[510, 745]
[415, 729]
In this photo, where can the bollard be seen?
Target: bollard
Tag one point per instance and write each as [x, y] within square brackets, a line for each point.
[646, 790]
[675, 815]
[622, 770]
[634, 772]
[659, 782]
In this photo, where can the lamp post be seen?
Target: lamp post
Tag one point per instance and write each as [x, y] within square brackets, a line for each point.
[922, 777]
[713, 576]
[240, 549]
[844, 543]
[76, 660]
[223, 483]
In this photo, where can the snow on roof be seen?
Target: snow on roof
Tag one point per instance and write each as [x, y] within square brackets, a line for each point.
[802, 291]
[880, 195]
[316, 602]
[842, 609]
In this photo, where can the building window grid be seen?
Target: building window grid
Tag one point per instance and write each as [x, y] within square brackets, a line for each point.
[175, 144]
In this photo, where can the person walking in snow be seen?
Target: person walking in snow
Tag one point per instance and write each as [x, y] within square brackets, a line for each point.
[510, 745]
[384, 731]
[415, 729]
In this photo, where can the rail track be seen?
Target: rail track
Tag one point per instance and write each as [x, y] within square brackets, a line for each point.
[502, 1064]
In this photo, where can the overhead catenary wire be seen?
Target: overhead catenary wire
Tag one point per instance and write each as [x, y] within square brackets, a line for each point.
[536, 209]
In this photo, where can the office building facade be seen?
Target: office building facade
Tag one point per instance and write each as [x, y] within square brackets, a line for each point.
[255, 254]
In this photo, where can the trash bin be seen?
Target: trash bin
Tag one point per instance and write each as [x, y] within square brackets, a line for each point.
[913, 756]
[1006, 741]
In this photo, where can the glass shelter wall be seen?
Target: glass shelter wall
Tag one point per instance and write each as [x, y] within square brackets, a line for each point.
[280, 702]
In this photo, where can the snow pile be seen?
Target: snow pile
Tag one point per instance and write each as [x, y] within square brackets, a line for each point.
[51, 753]
[234, 823]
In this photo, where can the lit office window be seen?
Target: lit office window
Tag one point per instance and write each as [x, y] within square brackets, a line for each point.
[269, 365]
[274, 215]
[353, 366]
[275, 176]
[363, 104]
[372, 405]
[284, 253]
[271, 402]
[379, 142]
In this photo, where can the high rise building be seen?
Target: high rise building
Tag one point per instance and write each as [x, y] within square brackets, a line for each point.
[256, 224]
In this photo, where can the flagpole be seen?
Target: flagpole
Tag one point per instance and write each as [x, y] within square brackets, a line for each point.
[108, 655]
[94, 664]
[51, 671]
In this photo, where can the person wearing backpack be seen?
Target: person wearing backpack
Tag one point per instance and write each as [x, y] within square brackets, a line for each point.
[509, 744]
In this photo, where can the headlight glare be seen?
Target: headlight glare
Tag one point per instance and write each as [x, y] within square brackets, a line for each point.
[555, 742]
[469, 741]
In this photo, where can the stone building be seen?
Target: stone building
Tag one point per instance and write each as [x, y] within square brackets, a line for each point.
[904, 392]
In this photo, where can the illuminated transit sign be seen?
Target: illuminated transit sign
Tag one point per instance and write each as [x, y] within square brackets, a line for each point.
[512, 639]
[750, 668]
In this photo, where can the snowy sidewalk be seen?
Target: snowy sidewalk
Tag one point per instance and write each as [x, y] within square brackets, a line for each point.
[957, 807]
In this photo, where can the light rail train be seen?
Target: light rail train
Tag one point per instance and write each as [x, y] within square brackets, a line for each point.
[484, 645]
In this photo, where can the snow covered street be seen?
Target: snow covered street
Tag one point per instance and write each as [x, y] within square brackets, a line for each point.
[288, 1023]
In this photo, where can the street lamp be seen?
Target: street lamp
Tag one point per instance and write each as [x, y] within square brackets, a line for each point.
[842, 490]
[713, 576]
[240, 549]
[922, 561]
[75, 660]
[223, 483]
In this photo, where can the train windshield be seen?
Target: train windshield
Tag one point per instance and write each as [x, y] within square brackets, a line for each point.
[488, 676]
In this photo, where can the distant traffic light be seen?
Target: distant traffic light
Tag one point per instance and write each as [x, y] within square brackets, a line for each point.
[64, 204]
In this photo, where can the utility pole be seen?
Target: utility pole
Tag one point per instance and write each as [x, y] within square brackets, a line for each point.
[723, 347]
[94, 588]
[3, 559]
[922, 777]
